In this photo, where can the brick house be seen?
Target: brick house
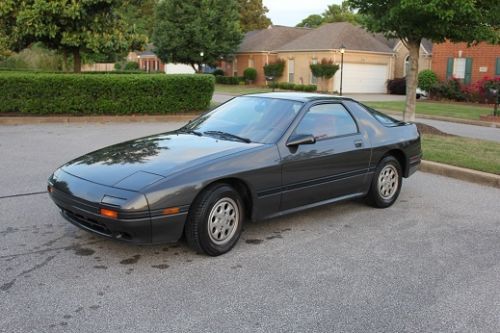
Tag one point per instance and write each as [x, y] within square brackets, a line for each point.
[149, 62]
[402, 57]
[258, 49]
[468, 64]
[369, 59]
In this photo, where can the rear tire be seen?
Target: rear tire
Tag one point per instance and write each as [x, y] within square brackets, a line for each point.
[386, 183]
[215, 220]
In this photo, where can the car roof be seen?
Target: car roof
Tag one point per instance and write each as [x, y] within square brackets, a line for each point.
[300, 97]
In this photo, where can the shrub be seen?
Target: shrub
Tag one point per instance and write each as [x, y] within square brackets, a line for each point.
[310, 87]
[426, 79]
[82, 94]
[233, 80]
[287, 86]
[250, 74]
[131, 66]
[218, 72]
[292, 86]
[451, 89]
[397, 86]
[35, 57]
[273, 84]
[275, 69]
[118, 66]
[326, 69]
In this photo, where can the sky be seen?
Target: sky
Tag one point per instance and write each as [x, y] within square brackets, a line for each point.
[292, 12]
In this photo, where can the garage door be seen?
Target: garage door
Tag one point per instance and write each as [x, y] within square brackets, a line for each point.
[362, 78]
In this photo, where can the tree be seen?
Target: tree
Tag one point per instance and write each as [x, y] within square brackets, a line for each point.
[92, 26]
[274, 69]
[140, 15]
[196, 32]
[340, 13]
[312, 21]
[324, 70]
[468, 21]
[253, 15]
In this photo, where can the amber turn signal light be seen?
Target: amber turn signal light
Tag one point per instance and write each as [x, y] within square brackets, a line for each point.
[171, 211]
[108, 213]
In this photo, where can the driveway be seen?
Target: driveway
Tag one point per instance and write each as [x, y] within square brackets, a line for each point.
[430, 263]
[469, 131]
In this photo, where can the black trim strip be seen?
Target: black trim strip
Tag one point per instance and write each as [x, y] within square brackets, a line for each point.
[312, 182]
[159, 212]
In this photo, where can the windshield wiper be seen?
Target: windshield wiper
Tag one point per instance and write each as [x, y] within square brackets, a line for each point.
[190, 131]
[228, 135]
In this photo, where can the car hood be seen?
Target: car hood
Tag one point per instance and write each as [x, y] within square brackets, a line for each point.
[135, 164]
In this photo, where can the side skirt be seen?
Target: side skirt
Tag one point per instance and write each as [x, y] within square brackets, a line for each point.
[316, 204]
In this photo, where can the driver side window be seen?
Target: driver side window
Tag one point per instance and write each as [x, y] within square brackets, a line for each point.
[327, 121]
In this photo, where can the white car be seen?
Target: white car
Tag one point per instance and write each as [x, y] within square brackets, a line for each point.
[421, 93]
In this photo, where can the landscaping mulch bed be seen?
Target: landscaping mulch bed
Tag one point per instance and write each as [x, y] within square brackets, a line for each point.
[426, 129]
[490, 118]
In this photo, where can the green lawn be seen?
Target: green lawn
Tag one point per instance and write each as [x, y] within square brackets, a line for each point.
[239, 90]
[463, 152]
[436, 109]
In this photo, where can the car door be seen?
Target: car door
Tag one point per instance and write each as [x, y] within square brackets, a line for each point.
[335, 165]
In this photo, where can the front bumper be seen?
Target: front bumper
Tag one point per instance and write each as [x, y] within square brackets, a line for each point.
[80, 202]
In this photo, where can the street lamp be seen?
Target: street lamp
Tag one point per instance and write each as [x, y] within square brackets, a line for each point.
[201, 65]
[342, 51]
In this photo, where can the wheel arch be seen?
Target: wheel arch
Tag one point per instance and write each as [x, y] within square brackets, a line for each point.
[240, 186]
[401, 157]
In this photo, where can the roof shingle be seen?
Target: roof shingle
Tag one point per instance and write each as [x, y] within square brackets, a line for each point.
[270, 39]
[331, 36]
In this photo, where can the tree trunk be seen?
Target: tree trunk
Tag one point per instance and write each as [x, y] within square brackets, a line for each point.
[77, 61]
[411, 81]
[65, 61]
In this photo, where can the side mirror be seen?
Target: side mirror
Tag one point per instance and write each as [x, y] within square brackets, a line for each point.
[301, 139]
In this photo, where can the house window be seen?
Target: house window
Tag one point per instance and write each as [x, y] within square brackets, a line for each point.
[459, 68]
[497, 71]
[251, 63]
[406, 69]
[314, 79]
[291, 70]
[235, 67]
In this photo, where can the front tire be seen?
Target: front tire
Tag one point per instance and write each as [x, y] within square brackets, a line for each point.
[386, 183]
[215, 220]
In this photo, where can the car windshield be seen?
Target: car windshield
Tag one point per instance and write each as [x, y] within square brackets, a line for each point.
[247, 119]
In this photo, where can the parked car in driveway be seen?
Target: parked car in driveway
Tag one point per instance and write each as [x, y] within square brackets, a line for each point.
[254, 157]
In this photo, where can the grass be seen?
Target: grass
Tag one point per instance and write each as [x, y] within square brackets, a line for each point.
[452, 110]
[240, 89]
[462, 152]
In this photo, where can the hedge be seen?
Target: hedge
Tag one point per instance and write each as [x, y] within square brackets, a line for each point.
[292, 86]
[82, 94]
[233, 80]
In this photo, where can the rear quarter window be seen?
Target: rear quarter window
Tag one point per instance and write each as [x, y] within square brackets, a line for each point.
[381, 117]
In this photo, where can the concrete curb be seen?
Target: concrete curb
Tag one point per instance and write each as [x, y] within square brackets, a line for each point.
[29, 120]
[468, 175]
[448, 119]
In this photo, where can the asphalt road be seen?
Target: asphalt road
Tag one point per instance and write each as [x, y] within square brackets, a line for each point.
[430, 263]
[469, 131]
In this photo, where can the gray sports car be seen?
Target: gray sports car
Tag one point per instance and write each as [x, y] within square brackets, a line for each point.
[254, 157]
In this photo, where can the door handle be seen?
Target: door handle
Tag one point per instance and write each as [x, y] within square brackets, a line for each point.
[358, 143]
